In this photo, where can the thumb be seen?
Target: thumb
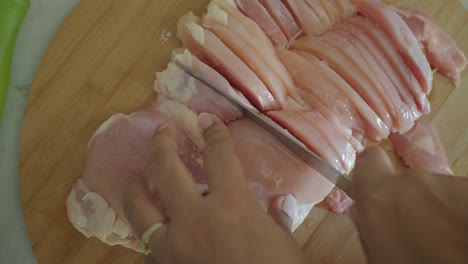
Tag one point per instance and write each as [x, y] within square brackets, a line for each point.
[283, 209]
[373, 166]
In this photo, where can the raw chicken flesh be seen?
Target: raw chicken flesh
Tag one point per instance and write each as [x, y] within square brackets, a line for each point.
[376, 78]
[254, 10]
[401, 36]
[349, 77]
[338, 201]
[332, 92]
[319, 135]
[262, 61]
[441, 51]
[422, 149]
[383, 69]
[280, 13]
[272, 170]
[391, 54]
[197, 96]
[211, 50]
[269, 167]
[117, 154]
[305, 17]
[340, 61]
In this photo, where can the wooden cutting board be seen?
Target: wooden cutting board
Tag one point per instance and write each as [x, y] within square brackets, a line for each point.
[102, 61]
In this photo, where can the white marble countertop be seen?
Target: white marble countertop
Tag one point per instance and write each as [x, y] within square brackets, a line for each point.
[40, 25]
[41, 22]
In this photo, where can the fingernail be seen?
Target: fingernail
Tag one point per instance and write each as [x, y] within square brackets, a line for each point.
[205, 120]
[288, 205]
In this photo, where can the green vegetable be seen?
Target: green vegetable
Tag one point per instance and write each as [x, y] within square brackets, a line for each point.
[11, 16]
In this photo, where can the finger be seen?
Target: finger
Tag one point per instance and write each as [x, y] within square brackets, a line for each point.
[373, 166]
[222, 166]
[351, 213]
[141, 211]
[283, 209]
[173, 181]
[149, 260]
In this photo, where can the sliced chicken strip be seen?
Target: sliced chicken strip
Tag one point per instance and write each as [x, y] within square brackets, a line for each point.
[346, 9]
[305, 17]
[341, 62]
[390, 72]
[401, 36]
[406, 113]
[249, 25]
[253, 34]
[315, 104]
[212, 51]
[280, 13]
[319, 135]
[422, 149]
[397, 110]
[332, 11]
[271, 169]
[219, 22]
[365, 119]
[321, 13]
[385, 45]
[441, 50]
[175, 84]
[257, 12]
[319, 87]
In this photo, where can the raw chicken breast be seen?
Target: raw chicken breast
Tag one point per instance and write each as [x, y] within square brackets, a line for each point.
[92, 215]
[441, 50]
[392, 56]
[95, 204]
[332, 92]
[118, 154]
[257, 12]
[211, 50]
[401, 36]
[422, 149]
[280, 13]
[271, 169]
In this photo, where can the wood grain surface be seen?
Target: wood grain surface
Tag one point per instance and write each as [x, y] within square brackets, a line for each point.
[102, 61]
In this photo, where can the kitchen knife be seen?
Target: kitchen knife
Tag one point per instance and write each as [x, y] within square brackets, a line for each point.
[297, 147]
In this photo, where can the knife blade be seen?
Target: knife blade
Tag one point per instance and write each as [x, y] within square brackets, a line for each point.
[293, 144]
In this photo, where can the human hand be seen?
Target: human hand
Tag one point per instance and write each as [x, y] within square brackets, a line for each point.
[409, 217]
[225, 226]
